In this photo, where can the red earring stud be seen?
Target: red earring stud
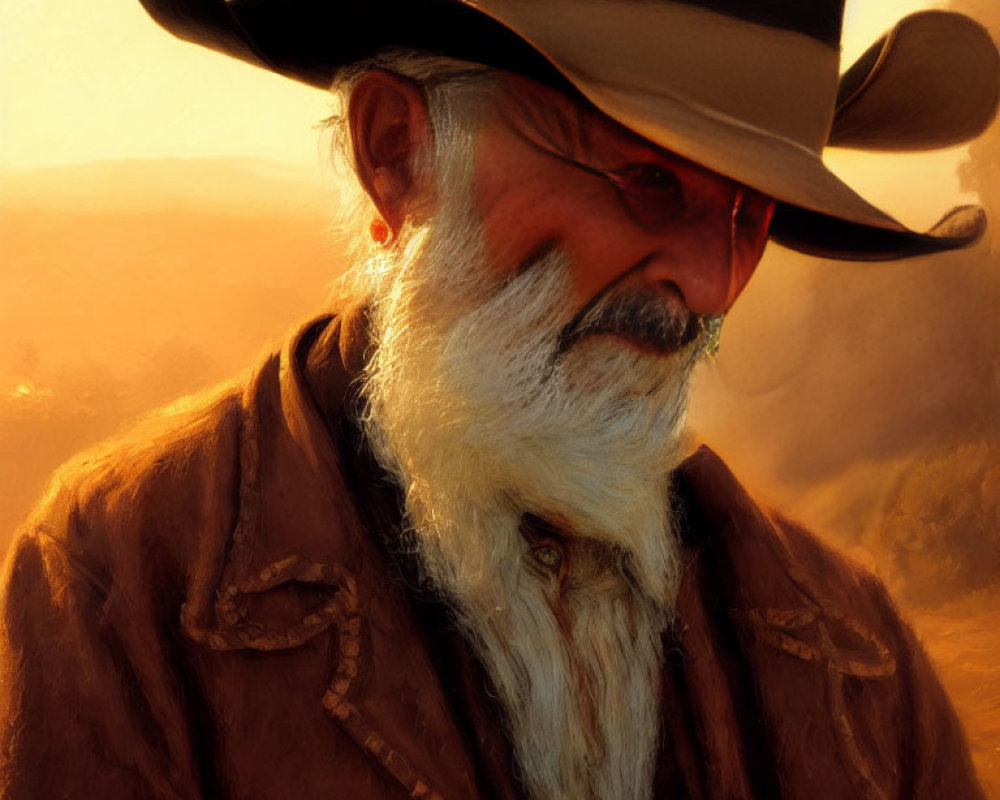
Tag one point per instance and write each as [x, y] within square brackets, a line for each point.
[379, 231]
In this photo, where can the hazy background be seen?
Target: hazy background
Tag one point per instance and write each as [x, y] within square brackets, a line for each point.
[164, 219]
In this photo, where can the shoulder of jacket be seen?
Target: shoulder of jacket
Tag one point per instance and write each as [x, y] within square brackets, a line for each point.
[773, 565]
[153, 488]
[837, 579]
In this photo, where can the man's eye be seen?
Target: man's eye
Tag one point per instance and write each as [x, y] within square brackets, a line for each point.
[651, 178]
[652, 193]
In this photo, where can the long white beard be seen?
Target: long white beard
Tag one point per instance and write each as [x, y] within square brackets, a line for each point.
[481, 420]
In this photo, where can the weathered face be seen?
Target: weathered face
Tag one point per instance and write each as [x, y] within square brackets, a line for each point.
[554, 174]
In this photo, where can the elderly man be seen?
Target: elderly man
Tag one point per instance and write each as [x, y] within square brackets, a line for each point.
[452, 542]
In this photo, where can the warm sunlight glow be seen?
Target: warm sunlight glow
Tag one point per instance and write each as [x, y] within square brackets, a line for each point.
[101, 80]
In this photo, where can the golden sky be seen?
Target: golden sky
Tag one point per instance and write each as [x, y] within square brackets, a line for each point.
[99, 80]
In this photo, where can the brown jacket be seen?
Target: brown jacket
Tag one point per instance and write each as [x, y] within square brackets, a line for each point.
[215, 613]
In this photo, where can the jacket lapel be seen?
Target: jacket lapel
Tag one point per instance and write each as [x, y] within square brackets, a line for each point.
[700, 715]
[298, 529]
[471, 706]
[787, 623]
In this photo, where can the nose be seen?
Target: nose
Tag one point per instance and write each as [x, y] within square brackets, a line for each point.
[697, 267]
[709, 260]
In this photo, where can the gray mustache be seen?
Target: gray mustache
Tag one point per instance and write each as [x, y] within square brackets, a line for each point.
[643, 318]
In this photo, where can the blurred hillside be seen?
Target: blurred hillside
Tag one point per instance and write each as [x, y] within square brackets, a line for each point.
[129, 284]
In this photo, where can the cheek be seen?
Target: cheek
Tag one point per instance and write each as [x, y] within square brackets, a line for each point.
[522, 215]
[525, 214]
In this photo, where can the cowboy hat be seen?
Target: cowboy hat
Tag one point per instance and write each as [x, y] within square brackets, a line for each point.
[747, 88]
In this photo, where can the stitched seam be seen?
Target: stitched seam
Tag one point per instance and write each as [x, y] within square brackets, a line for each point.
[337, 704]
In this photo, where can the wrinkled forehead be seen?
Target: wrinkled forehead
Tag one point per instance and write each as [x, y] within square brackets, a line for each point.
[574, 127]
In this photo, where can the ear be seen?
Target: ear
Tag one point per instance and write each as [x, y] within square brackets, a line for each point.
[389, 127]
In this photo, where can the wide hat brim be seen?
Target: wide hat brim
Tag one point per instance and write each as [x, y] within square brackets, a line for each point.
[728, 94]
